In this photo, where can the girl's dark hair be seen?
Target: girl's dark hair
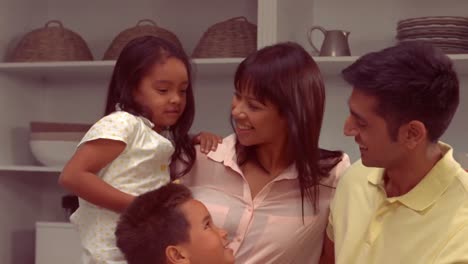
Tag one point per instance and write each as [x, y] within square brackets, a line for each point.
[287, 76]
[134, 62]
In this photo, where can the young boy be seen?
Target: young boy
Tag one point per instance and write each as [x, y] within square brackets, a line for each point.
[167, 226]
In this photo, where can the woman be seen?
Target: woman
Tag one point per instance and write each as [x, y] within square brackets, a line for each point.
[269, 185]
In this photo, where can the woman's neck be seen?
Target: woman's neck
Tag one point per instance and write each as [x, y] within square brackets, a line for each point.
[273, 158]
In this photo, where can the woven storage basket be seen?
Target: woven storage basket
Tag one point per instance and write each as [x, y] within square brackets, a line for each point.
[139, 30]
[235, 37]
[51, 43]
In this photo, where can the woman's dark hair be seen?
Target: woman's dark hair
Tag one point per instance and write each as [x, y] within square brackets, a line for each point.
[287, 76]
[152, 222]
[135, 61]
[411, 81]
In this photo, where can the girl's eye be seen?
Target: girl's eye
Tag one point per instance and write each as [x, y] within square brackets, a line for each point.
[252, 106]
[161, 90]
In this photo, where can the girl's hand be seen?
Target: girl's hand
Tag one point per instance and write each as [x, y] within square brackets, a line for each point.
[208, 141]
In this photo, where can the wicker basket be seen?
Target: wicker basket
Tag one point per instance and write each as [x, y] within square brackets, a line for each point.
[51, 43]
[139, 30]
[235, 37]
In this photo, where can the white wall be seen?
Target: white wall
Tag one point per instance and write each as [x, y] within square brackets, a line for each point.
[29, 197]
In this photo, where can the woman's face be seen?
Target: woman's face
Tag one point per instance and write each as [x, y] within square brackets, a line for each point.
[257, 123]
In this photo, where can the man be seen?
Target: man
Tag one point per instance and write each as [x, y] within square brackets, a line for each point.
[406, 200]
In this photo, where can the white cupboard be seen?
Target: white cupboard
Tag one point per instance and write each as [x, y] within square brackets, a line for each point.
[75, 91]
[57, 243]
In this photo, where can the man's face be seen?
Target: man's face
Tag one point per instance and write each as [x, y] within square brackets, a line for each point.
[371, 133]
[208, 244]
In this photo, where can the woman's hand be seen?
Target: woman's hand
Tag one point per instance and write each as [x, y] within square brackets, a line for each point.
[208, 141]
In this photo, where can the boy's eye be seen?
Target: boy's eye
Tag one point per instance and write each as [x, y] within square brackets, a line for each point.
[161, 90]
[209, 224]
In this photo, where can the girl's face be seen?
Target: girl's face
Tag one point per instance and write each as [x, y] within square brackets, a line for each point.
[162, 92]
[257, 123]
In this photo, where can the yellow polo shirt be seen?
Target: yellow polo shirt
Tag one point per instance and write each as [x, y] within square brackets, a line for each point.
[429, 224]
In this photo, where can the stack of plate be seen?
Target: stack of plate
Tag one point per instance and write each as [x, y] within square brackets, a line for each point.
[449, 33]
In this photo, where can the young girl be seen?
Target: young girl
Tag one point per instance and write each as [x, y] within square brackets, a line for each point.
[124, 154]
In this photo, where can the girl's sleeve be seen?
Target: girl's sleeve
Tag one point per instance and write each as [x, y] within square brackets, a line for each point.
[119, 126]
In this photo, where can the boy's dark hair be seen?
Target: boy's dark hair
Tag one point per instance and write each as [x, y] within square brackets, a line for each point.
[411, 81]
[135, 61]
[151, 223]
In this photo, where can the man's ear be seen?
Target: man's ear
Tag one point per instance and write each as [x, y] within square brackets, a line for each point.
[177, 255]
[414, 133]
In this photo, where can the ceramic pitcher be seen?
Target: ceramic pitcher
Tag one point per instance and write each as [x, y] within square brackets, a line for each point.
[335, 42]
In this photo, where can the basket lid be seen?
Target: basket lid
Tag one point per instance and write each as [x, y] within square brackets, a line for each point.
[53, 42]
[144, 27]
[235, 37]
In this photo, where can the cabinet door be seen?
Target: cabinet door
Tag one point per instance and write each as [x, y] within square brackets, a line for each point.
[57, 243]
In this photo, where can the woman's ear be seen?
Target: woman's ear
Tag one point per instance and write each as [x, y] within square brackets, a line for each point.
[177, 255]
[413, 133]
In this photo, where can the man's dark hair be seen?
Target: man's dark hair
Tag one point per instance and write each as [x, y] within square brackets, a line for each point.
[153, 222]
[411, 81]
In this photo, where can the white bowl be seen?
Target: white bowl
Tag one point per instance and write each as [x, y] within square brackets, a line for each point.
[53, 153]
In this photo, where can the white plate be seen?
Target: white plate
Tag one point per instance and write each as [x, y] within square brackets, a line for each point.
[444, 41]
[435, 34]
[462, 28]
[442, 20]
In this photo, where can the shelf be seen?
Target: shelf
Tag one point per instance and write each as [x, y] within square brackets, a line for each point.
[329, 66]
[332, 66]
[62, 225]
[102, 69]
[74, 69]
[213, 67]
[14, 168]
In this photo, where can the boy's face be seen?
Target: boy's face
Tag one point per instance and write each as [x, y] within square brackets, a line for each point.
[208, 244]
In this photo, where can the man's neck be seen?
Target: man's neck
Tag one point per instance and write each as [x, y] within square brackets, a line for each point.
[402, 178]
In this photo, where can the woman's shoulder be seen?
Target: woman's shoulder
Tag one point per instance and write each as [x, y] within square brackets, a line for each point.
[225, 150]
[210, 165]
[337, 171]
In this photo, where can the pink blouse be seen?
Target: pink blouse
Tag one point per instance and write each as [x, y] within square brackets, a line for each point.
[268, 228]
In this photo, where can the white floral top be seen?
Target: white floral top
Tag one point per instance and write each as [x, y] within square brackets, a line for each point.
[141, 167]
